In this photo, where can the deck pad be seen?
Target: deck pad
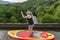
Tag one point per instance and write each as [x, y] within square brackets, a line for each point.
[23, 34]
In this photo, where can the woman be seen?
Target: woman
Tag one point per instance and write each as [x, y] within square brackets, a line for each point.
[30, 21]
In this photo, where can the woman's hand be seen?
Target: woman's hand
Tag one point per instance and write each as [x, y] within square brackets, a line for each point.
[24, 16]
[22, 12]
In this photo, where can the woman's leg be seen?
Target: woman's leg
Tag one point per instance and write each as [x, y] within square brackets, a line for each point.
[30, 28]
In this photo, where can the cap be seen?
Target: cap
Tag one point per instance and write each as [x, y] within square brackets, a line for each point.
[28, 12]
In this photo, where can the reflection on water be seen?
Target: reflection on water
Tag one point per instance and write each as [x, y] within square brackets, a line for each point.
[3, 35]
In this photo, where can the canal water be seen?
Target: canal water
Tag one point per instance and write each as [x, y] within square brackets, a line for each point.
[3, 34]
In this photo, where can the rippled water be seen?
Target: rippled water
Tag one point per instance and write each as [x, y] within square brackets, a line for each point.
[3, 35]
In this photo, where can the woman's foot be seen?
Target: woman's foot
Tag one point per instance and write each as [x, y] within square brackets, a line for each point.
[31, 35]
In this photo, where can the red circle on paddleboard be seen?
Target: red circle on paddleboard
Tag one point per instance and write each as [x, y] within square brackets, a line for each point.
[44, 34]
[24, 33]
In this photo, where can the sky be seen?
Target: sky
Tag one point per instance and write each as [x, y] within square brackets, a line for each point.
[15, 0]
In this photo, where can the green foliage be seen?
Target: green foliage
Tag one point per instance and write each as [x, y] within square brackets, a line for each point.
[13, 20]
[3, 20]
[48, 11]
[48, 19]
[57, 11]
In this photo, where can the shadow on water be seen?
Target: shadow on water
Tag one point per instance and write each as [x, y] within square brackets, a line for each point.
[3, 32]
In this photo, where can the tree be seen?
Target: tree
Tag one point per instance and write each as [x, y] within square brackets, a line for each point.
[48, 19]
[13, 20]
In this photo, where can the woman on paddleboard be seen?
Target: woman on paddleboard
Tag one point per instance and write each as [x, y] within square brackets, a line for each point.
[29, 17]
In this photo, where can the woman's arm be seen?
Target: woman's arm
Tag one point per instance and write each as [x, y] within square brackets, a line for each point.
[23, 15]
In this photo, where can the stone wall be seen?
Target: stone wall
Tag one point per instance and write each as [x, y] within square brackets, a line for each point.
[18, 25]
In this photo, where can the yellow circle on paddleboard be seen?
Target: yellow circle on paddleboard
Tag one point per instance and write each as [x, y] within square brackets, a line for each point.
[13, 33]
